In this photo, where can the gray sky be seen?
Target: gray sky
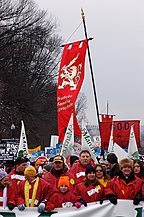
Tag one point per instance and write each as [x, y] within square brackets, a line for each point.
[117, 51]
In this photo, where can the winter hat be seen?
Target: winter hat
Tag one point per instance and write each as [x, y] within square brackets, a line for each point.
[73, 158]
[112, 158]
[58, 158]
[126, 163]
[9, 163]
[30, 171]
[63, 180]
[39, 162]
[3, 174]
[90, 169]
[21, 160]
[48, 166]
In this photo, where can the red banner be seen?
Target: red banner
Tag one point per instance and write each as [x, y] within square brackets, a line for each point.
[71, 75]
[77, 130]
[106, 118]
[121, 133]
[105, 131]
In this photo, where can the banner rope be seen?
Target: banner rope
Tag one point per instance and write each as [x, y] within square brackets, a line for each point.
[74, 32]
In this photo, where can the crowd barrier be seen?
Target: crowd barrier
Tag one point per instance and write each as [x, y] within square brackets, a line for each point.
[124, 208]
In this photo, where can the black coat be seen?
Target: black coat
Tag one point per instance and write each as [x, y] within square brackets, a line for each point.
[114, 171]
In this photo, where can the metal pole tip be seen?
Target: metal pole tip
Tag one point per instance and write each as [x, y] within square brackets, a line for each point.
[82, 13]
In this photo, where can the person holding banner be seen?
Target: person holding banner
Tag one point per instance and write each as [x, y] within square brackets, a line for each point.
[17, 174]
[59, 168]
[126, 185]
[34, 191]
[90, 189]
[78, 168]
[7, 196]
[63, 197]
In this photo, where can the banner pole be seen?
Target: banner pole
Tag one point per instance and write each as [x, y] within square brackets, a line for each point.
[92, 74]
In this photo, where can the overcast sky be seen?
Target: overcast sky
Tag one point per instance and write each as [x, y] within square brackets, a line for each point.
[117, 51]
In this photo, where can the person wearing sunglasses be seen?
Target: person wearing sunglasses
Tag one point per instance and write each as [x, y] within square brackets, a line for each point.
[101, 175]
[90, 189]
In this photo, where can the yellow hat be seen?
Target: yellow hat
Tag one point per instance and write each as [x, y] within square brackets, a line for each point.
[58, 159]
[30, 171]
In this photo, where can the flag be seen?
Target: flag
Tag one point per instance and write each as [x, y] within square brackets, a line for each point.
[38, 148]
[87, 143]
[77, 130]
[23, 146]
[120, 153]
[68, 142]
[105, 130]
[107, 118]
[121, 132]
[132, 147]
[111, 142]
[70, 79]
[54, 141]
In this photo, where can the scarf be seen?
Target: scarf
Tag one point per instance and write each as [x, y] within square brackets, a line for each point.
[4, 197]
[103, 182]
[27, 187]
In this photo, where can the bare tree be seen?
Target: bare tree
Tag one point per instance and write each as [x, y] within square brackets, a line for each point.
[29, 55]
[81, 106]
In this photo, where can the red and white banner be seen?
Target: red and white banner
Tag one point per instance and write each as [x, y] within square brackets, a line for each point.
[71, 75]
[121, 133]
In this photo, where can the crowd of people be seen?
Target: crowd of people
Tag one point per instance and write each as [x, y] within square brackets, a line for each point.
[75, 182]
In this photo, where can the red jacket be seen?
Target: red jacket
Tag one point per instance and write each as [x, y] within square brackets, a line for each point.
[10, 196]
[43, 192]
[78, 172]
[15, 180]
[122, 190]
[59, 199]
[54, 180]
[91, 193]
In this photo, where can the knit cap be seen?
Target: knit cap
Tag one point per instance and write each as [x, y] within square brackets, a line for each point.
[30, 171]
[3, 174]
[90, 169]
[39, 162]
[73, 158]
[48, 166]
[112, 158]
[63, 180]
[21, 160]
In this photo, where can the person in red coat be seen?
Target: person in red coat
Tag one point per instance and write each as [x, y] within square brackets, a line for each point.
[138, 168]
[90, 189]
[7, 196]
[78, 169]
[17, 173]
[126, 185]
[34, 191]
[58, 169]
[63, 197]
